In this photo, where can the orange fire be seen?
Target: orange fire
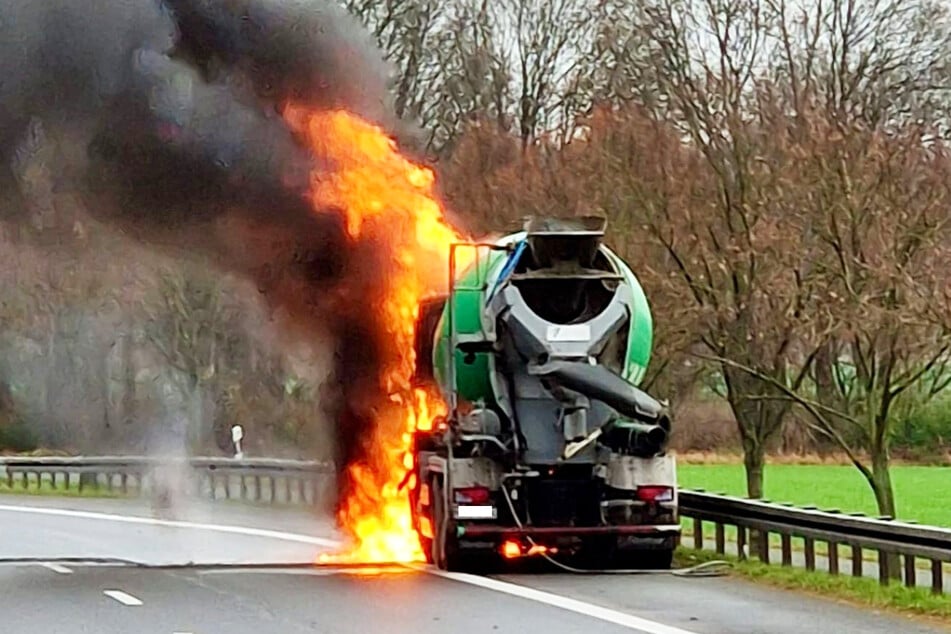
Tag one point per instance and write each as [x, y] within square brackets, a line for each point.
[388, 197]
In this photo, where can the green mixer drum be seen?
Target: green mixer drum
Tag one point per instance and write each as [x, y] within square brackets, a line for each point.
[474, 369]
[641, 330]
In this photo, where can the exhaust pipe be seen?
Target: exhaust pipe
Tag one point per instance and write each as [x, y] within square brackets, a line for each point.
[639, 439]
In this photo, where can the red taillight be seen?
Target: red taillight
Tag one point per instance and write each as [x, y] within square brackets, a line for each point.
[655, 493]
[473, 495]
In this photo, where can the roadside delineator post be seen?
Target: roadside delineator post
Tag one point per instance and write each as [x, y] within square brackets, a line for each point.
[237, 433]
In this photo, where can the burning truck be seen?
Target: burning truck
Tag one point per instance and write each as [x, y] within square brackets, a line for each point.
[257, 135]
[547, 444]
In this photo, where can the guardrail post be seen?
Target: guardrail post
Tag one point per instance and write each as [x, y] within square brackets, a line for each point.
[317, 492]
[911, 575]
[762, 544]
[883, 568]
[937, 576]
[856, 560]
[721, 539]
[833, 554]
[809, 545]
[787, 549]
[697, 533]
[741, 542]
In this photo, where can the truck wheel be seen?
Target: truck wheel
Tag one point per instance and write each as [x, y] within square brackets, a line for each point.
[445, 544]
[425, 543]
[646, 559]
[657, 559]
[597, 553]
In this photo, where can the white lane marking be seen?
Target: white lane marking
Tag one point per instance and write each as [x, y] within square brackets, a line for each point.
[63, 570]
[580, 607]
[221, 528]
[317, 571]
[122, 597]
[566, 603]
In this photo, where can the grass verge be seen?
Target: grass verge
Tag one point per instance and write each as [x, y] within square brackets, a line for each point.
[833, 486]
[859, 591]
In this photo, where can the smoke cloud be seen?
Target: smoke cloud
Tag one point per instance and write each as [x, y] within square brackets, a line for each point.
[165, 117]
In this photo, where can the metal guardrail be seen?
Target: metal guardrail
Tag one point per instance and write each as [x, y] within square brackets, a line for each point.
[309, 482]
[255, 479]
[756, 520]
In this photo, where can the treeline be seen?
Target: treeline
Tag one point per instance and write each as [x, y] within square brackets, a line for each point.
[777, 172]
[106, 347]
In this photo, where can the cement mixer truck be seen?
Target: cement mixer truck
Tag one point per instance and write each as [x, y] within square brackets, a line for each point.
[548, 447]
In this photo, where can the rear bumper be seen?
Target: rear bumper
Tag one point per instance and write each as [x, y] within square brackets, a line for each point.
[647, 530]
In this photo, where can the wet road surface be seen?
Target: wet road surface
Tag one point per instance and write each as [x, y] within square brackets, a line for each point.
[57, 596]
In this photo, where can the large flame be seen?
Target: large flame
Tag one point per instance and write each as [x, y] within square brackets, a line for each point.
[391, 198]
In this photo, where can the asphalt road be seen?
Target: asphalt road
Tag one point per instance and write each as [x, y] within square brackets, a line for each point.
[70, 597]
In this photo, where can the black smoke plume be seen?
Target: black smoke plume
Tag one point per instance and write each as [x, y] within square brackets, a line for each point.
[167, 117]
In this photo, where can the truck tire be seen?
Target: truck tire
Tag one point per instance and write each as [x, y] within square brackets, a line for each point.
[597, 553]
[445, 544]
[662, 559]
[646, 559]
[425, 543]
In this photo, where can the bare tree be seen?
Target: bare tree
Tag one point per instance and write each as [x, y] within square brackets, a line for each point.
[195, 329]
[879, 211]
[722, 249]
[62, 309]
[619, 64]
[405, 30]
[879, 62]
[549, 42]
[728, 70]
[474, 81]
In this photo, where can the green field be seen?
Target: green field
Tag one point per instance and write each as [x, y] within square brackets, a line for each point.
[922, 493]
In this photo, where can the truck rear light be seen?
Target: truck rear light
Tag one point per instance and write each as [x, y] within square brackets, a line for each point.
[655, 493]
[473, 495]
